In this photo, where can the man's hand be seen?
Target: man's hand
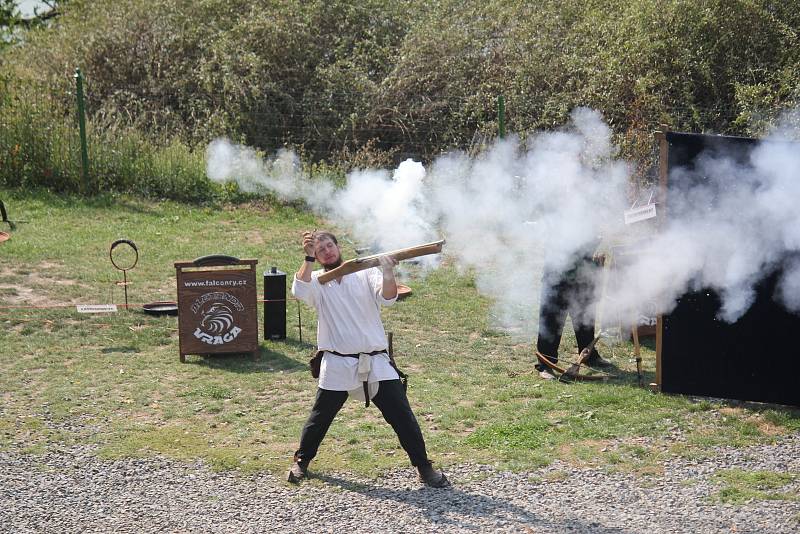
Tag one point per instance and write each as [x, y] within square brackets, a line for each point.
[308, 243]
[387, 266]
[599, 254]
[389, 289]
[304, 272]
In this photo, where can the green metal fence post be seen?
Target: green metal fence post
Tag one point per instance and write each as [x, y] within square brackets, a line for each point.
[501, 116]
[82, 128]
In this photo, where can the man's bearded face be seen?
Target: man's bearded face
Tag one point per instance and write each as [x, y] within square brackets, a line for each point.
[328, 253]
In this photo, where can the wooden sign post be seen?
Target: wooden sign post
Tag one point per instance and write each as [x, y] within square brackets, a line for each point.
[217, 306]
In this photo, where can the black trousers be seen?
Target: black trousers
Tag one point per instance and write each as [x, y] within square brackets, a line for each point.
[567, 292]
[391, 400]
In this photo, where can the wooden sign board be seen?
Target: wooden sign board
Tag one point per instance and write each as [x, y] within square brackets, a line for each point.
[217, 308]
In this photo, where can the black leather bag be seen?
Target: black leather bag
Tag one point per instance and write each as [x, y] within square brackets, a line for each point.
[315, 362]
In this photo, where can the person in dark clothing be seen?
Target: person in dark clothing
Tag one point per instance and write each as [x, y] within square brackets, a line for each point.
[569, 292]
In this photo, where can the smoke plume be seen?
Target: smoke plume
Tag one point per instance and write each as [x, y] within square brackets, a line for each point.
[556, 197]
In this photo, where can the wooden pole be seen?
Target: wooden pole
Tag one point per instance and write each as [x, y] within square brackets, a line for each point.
[663, 170]
[501, 116]
[82, 129]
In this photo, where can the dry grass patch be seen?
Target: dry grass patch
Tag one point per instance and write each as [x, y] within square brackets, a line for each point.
[555, 476]
[37, 287]
[766, 427]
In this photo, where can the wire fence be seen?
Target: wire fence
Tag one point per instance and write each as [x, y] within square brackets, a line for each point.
[40, 134]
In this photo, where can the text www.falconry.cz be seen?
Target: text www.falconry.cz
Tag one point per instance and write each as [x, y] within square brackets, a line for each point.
[212, 283]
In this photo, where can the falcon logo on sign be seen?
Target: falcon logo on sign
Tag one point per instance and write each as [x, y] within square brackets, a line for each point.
[217, 319]
[217, 316]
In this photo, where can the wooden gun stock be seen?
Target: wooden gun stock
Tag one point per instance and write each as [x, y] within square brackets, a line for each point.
[359, 264]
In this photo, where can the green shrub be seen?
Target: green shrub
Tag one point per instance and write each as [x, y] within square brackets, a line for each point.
[40, 148]
[380, 81]
[37, 149]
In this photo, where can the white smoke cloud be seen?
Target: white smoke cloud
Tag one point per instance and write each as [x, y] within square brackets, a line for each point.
[726, 233]
[508, 211]
[385, 210]
[511, 210]
[381, 209]
[281, 175]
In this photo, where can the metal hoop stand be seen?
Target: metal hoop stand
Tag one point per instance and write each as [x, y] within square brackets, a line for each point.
[124, 270]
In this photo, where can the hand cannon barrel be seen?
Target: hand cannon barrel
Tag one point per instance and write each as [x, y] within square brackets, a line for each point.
[359, 264]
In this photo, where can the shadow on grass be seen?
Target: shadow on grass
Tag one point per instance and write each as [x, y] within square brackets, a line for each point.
[440, 505]
[617, 376]
[648, 341]
[297, 344]
[124, 350]
[629, 377]
[267, 361]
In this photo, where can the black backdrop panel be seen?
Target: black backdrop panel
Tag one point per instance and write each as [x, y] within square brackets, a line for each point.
[756, 358]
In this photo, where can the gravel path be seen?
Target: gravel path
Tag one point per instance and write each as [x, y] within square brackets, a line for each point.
[74, 491]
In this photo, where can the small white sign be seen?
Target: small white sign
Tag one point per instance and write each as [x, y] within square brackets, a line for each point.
[640, 214]
[96, 308]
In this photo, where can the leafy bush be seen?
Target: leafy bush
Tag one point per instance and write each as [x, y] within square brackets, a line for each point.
[36, 149]
[384, 80]
[40, 147]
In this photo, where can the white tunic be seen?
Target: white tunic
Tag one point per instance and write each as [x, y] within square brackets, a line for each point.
[348, 322]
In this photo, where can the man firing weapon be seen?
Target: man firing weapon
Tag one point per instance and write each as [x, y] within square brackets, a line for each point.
[353, 357]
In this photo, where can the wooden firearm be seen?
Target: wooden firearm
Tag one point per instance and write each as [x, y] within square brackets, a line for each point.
[359, 264]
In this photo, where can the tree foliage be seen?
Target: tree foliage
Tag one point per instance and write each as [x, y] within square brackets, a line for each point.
[12, 20]
[9, 17]
[331, 77]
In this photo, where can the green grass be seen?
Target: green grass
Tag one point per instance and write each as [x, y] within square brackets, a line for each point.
[115, 380]
[740, 486]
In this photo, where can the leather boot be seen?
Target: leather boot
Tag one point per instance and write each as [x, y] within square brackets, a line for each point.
[432, 477]
[297, 472]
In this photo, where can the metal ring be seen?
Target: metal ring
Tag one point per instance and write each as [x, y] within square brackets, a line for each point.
[120, 242]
